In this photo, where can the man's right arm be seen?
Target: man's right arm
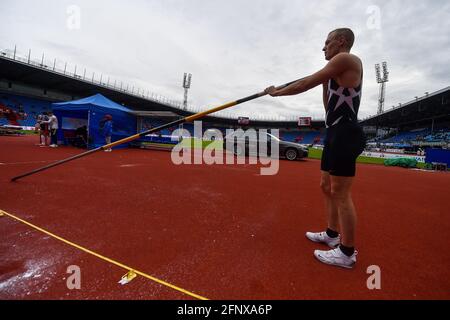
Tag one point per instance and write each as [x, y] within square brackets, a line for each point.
[325, 95]
[335, 67]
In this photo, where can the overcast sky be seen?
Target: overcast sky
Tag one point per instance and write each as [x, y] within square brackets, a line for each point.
[236, 48]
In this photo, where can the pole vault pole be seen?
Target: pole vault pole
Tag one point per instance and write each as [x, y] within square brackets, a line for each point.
[142, 134]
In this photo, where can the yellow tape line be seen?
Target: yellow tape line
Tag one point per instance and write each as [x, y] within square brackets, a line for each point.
[164, 283]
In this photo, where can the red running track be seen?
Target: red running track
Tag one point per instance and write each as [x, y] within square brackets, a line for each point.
[223, 232]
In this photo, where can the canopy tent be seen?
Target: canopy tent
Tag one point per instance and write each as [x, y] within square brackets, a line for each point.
[90, 112]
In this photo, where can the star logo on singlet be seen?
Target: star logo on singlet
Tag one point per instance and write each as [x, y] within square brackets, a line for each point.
[341, 100]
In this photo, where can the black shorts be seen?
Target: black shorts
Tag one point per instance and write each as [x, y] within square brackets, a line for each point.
[343, 144]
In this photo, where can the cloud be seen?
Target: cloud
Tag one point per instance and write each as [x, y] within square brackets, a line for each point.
[237, 48]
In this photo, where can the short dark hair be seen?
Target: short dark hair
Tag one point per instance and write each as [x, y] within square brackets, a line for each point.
[348, 35]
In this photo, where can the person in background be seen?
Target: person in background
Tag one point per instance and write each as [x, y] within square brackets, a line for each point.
[37, 128]
[107, 130]
[82, 136]
[53, 128]
[43, 129]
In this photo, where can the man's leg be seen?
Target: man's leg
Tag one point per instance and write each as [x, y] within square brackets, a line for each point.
[342, 199]
[331, 236]
[330, 206]
[108, 141]
[54, 139]
[345, 255]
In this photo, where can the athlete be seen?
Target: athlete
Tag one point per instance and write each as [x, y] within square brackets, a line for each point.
[342, 81]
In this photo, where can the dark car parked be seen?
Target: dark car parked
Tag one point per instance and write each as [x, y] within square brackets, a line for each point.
[249, 146]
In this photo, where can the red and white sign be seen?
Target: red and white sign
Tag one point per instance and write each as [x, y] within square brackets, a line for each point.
[304, 121]
[244, 120]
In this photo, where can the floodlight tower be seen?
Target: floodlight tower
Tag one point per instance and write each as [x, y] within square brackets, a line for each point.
[186, 85]
[382, 81]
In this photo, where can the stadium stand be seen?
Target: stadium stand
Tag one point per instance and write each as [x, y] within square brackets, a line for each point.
[406, 137]
[441, 135]
[423, 136]
[303, 137]
[26, 109]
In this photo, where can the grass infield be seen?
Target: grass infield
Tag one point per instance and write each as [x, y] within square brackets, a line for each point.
[317, 154]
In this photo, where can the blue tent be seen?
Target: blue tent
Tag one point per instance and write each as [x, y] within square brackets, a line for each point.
[90, 112]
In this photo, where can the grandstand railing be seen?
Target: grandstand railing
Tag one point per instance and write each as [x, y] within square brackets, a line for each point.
[12, 55]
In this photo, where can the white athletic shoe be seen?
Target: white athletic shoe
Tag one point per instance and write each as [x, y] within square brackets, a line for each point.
[322, 237]
[336, 257]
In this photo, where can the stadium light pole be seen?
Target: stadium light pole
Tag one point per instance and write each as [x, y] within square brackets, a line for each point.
[186, 85]
[382, 81]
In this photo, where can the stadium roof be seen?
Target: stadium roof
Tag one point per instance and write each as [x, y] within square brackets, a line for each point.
[72, 84]
[430, 107]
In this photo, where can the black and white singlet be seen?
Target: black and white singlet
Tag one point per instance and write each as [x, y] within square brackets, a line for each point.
[343, 103]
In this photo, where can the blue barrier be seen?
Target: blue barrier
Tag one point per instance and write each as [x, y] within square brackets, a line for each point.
[437, 155]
